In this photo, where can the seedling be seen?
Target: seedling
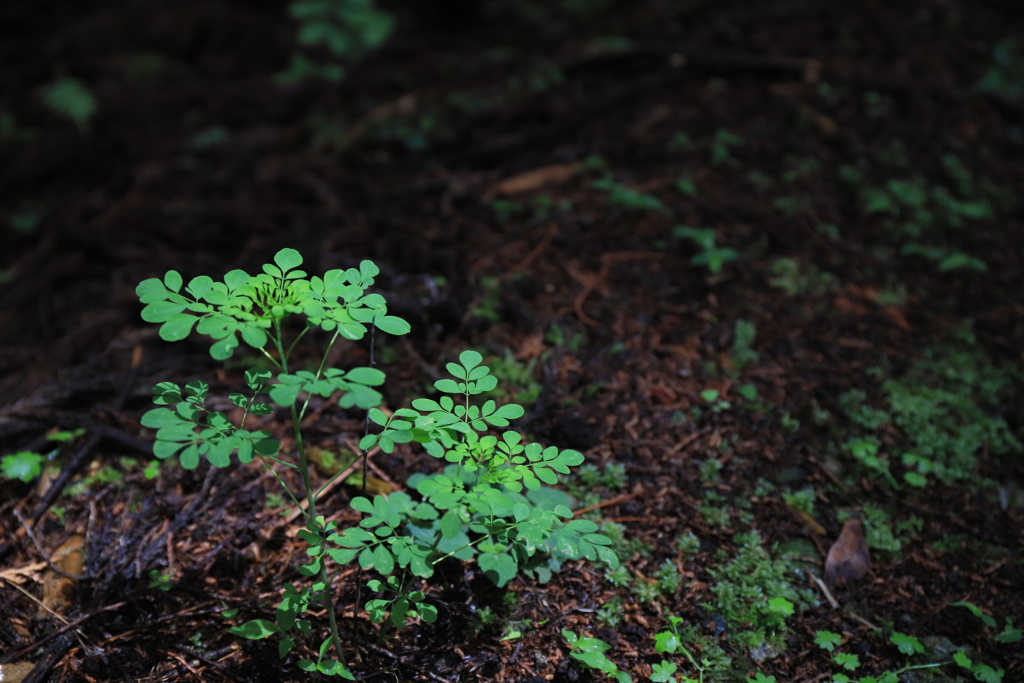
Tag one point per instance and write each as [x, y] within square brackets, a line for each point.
[716, 404]
[670, 641]
[791, 206]
[24, 466]
[946, 260]
[70, 98]
[721, 148]
[475, 510]
[347, 29]
[590, 652]
[1005, 78]
[743, 353]
[686, 185]
[160, 581]
[679, 142]
[710, 256]
[796, 280]
[800, 167]
[627, 198]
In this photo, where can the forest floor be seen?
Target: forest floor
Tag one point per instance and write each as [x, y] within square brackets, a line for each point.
[762, 264]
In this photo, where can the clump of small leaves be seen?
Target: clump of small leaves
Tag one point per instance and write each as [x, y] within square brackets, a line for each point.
[949, 405]
[743, 353]
[627, 198]
[70, 98]
[755, 593]
[713, 665]
[710, 256]
[721, 148]
[625, 544]
[688, 543]
[611, 612]
[24, 466]
[797, 280]
[347, 29]
[1005, 77]
[854, 404]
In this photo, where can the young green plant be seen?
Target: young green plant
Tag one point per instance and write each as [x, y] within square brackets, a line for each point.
[476, 509]
[253, 307]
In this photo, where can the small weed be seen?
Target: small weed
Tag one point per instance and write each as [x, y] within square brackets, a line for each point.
[877, 106]
[70, 98]
[24, 466]
[798, 167]
[714, 512]
[828, 231]
[787, 423]
[710, 256]
[761, 181]
[944, 259]
[668, 578]
[831, 94]
[795, 280]
[624, 544]
[518, 376]
[680, 142]
[540, 207]
[490, 299]
[879, 533]
[347, 29]
[686, 185]
[590, 652]
[755, 593]
[710, 471]
[619, 577]
[628, 198]
[482, 618]
[688, 543]
[208, 138]
[743, 353]
[1005, 78]
[715, 404]
[160, 581]
[865, 450]
[721, 148]
[611, 612]
[802, 500]
[791, 206]
[646, 590]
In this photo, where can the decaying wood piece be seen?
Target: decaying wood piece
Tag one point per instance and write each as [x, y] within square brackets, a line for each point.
[848, 558]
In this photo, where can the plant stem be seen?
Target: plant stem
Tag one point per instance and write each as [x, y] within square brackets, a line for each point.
[311, 515]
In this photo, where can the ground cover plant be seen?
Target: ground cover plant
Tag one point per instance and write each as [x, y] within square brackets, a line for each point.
[661, 296]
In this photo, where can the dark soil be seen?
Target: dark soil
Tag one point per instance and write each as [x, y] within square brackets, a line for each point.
[203, 164]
